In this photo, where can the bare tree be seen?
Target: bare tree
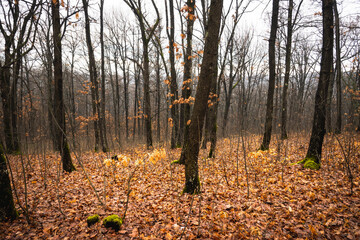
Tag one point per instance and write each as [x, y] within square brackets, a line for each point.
[18, 27]
[338, 71]
[59, 110]
[272, 75]
[170, 30]
[313, 156]
[102, 121]
[147, 32]
[95, 100]
[208, 71]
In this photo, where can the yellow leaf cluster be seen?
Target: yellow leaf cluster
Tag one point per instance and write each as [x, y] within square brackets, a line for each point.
[121, 161]
[157, 155]
[256, 155]
[107, 162]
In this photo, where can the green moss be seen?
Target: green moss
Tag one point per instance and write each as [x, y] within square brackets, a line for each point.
[299, 162]
[177, 162]
[113, 221]
[311, 164]
[92, 220]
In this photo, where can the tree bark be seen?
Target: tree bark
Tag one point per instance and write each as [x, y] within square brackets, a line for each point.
[105, 145]
[270, 97]
[7, 206]
[59, 111]
[93, 78]
[173, 79]
[318, 128]
[208, 71]
[186, 87]
[287, 72]
[338, 124]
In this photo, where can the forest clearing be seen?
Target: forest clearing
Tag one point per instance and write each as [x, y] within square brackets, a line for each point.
[285, 201]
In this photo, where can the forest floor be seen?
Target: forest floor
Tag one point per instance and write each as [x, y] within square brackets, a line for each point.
[267, 199]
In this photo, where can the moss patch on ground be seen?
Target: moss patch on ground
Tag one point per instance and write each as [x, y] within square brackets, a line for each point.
[92, 220]
[113, 221]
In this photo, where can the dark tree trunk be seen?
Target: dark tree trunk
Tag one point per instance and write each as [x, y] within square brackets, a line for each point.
[338, 71]
[147, 105]
[208, 71]
[93, 78]
[287, 72]
[117, 101]
[329, 103]
[5, 98]
[228, 93]
[158, 95]
[212, 111]
[59, 111]
[7, 206]
[104, 142]
[173, 80]
[186, 87]
[270, 97]
[126, 97]
[318, 128]
[357, 80]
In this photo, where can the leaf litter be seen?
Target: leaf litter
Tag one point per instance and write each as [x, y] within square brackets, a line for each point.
[285, 201]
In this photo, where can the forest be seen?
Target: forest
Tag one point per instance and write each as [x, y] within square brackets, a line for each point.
[179, 119]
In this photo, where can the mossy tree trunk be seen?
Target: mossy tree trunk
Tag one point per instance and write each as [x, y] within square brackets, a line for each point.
[208, 71]
[272, 76]
[318, 128]
[7, 207]
[59, 110]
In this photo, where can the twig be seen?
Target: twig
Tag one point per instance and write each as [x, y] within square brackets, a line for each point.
[246, 170]
[347, 161]
[186, 223]
[128, 192]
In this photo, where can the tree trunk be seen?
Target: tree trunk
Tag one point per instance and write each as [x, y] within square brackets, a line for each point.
[318, 129]
[7, 206]
[147, 105]
[208, 71]
[338, 71]
[5, 98]
[173, 79]
[186, 87]
[328, 115]
[270, 97]
[59, 111]
[212, 111]
[93, 78]
[105, 145]
[158, 96]
[287, 72]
